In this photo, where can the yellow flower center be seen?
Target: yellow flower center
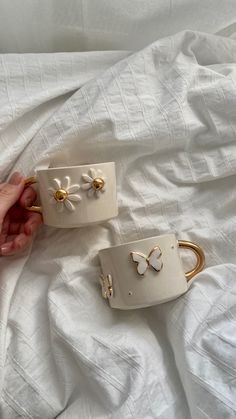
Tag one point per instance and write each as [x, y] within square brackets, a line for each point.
[98, 183]
[60, 195]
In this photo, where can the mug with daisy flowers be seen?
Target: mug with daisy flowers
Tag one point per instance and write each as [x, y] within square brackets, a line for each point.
[77, 195]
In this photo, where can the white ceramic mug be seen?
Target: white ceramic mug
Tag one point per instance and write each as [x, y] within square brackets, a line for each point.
[146, 272]
[76, 196]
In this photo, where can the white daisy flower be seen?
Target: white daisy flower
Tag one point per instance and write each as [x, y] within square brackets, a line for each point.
[94, 182]
[63, 194]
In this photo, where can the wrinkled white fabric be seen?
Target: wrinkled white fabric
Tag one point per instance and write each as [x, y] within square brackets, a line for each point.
[166, 116]
[86, 25]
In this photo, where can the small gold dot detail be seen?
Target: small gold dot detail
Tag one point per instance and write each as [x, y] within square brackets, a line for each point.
[60, 195]
[98, 184]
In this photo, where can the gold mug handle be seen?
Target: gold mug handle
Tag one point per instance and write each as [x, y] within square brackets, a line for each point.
[199, 254]
[30, 181]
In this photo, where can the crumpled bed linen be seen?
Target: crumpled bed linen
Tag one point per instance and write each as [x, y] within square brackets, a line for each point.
[166, 116]
[89, 25]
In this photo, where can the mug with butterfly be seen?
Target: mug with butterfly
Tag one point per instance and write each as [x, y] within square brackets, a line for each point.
[146, 272]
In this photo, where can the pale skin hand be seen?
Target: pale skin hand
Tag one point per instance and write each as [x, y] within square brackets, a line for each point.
[17, 225]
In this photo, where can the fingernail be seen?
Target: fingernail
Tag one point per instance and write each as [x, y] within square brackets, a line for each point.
[21, 242]
[16, 178]
[5, 248]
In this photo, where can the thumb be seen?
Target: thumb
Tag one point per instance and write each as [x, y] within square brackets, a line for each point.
[10, 193]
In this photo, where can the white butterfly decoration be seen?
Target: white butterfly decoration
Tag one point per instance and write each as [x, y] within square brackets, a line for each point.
[143, 262]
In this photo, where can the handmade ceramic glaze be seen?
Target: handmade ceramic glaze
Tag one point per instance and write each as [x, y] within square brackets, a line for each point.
[146, 272]
[76, 196]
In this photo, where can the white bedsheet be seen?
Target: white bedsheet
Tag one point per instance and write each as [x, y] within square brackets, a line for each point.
[88, 25]
[166, 116]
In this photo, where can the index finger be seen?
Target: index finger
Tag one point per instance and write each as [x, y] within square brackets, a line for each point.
[10, 193]
[28, 197]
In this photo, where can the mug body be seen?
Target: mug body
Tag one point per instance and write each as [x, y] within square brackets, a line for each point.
[79, 195]
[142, 273]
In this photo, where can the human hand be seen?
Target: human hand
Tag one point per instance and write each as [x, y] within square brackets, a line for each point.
[17, 225]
